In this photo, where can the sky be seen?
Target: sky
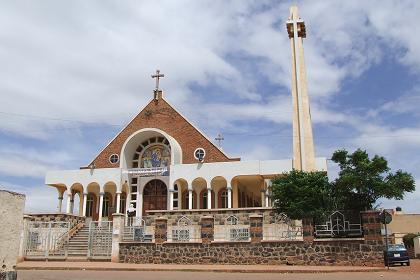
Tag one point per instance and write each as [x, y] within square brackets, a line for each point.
[73, 73]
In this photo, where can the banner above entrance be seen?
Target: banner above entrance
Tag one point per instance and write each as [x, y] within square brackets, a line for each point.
[145, 172]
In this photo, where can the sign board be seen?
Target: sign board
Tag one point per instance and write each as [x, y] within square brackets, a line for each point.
[385, 217]
[145, 172]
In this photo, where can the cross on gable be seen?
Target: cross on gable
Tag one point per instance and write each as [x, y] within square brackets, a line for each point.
[157, 76]
[219, 139]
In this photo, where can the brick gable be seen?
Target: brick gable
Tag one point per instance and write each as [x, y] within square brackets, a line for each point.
[161, 115]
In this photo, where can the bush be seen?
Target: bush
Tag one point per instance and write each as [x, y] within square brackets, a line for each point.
[408, 239]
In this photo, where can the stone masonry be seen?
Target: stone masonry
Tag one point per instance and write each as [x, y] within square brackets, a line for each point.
[336, 252]
[11, 213]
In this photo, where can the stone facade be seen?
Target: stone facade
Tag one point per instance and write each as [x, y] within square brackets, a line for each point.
[11, 213]
[338, 252]
[159, 114]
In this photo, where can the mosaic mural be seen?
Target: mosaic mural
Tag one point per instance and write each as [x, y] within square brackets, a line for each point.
[156, 156]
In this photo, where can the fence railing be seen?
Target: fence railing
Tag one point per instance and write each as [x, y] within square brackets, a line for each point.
[46, 239]
[339, 225]
[100, 239]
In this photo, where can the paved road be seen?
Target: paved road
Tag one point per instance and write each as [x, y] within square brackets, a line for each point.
[128, 275]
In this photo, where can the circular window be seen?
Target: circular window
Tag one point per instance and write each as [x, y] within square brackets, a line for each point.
[199, 154]
[114, 158]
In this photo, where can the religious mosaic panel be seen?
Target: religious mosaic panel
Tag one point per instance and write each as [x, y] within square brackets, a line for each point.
[156, 156]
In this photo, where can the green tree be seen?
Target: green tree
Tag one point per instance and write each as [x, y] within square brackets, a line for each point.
[301, 194]
[362, 181]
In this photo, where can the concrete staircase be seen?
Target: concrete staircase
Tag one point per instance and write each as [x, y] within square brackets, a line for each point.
[78, 244]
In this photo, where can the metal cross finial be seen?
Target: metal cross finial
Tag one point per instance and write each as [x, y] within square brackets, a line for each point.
[157, 76]
[219, 139]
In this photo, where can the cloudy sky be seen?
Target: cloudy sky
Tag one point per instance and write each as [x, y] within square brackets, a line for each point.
[74, 72]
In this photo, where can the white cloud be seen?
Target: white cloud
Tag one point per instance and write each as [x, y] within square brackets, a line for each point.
[39, 199]
[17, 161]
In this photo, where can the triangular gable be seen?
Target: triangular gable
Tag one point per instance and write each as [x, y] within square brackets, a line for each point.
[161, 115]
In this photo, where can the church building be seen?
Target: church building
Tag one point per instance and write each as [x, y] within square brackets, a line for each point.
[161, 161]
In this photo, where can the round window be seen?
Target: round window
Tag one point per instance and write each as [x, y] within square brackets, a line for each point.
[114, 158]
[199, 154]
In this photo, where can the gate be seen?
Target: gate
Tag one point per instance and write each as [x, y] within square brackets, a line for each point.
[100, 240]
[46, 239]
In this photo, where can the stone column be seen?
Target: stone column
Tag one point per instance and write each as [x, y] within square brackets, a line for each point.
[101, 205]
[308, 229]
[139, 212]
[84, 204]
[117, 210]
[60, 203]
[371, 226]
[207, 229]
[190, 199]
[72, 203]
[68, 206]
[171, 199]
[267, 201]
[229, 192]
[235, 195]
[161, 225]
[208, 198]
[117, 235]
[263, 204]
[256, 228]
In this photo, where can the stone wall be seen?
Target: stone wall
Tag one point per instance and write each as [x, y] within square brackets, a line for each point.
[57, 217]
[366, 250]
[337, 252]
[11, 213]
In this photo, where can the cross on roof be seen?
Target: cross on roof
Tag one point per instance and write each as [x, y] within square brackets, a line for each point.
[219, 139]
[157, 76]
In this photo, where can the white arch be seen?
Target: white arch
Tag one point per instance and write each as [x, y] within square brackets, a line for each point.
[131, 144]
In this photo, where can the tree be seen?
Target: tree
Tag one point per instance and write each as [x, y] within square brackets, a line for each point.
[362, 181]
[301, 194]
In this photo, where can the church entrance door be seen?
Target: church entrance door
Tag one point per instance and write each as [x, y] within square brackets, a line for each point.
[155, 195]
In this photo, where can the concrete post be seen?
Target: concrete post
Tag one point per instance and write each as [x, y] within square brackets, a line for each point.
[101, 206]
[84, 204]
[190, 199]
[118, 202]
[209, 198]
[256, 228]
[117, 235]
